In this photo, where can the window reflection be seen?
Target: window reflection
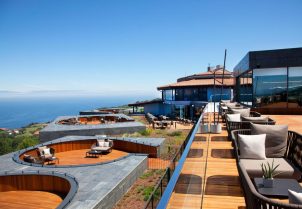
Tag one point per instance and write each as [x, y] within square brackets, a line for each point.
[270, 87]
[294, 87]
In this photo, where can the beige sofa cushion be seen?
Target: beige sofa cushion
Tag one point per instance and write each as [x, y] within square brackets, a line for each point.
[253, 168]
[245, 112]
[255, 119]
[276, 138]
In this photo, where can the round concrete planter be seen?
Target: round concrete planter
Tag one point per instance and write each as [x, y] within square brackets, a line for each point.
[203, 128]
[216, 128]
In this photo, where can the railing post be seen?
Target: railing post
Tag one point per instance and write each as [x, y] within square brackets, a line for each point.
[168, 174]
[152, 201]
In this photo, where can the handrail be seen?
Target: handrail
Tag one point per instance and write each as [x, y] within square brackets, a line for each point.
[171, 185]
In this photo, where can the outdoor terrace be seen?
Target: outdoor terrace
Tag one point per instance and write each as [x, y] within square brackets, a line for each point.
[109, 176]
[209, 176]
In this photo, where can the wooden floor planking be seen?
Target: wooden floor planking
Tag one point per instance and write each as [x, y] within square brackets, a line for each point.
[77, 157]
[222, 188]
[29, 200]
[222, 181]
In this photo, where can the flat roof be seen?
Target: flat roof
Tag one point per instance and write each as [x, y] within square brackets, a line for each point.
[55, 130]
[96, 183]
[199, 82]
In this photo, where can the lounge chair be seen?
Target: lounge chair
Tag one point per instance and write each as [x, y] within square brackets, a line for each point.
[46, 154]
[103, 145]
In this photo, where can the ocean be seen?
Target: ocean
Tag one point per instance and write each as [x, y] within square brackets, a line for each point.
[19, 112]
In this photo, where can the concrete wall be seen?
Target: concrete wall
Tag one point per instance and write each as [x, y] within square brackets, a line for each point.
[118, 192]
[51, 135]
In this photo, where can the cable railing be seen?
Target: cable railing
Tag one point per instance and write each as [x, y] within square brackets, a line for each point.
[162, 192]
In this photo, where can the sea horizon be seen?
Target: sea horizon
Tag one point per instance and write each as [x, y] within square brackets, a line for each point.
[18, 112]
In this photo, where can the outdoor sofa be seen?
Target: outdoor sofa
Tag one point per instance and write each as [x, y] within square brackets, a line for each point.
[255, 200]
[282, 146]
[103, 145]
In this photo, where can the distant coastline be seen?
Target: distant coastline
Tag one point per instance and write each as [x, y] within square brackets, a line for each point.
[20, 112]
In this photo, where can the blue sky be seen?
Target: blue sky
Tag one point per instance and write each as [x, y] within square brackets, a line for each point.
[131, 47]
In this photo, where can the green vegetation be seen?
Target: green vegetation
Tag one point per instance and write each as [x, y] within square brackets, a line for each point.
[26, 138]
[175, 133]
[146, 132]
[269, 170]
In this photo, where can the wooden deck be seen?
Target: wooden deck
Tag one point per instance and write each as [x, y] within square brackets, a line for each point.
[77, 157]
[293, 121]
[222, 185]
[29, 200]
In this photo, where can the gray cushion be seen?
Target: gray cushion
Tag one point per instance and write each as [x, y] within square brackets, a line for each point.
[294, 197]
[252, 146]
[243, 112]
[276, 138]
[255, 119]
[253, 168]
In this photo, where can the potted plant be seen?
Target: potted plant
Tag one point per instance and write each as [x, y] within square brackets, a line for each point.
[269, 172]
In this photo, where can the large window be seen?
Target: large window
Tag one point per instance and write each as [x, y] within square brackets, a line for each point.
[294, 87]
[246, 88]
[168, 95]
[179, 94]
[270, 87]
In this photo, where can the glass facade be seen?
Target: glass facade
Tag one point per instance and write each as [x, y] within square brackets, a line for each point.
[186, 94]
[168, 95]
[294, 87]
[246, 88]
[271, 87]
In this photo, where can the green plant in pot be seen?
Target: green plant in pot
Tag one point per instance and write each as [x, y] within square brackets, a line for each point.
[269, 172]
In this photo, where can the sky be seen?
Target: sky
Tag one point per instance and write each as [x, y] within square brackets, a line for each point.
[118, 47]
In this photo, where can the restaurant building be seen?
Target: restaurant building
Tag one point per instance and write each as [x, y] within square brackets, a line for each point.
[270, 81]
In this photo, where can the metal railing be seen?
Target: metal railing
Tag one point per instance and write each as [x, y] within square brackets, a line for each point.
[162, 192]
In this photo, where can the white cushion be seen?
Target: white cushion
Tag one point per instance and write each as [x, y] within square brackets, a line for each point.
[294, 197]
[46, 151]
[101, 143]
[233, 117]
[106, 144]
[252, 146]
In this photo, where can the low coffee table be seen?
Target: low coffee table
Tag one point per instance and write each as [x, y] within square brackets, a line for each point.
[280, 188]
[93, 153]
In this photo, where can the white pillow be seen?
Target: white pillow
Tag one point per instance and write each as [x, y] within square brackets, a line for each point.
[233, 117]
[252, 146]
[46, 151]
[101, 143]
[294, 197]
[106, 144]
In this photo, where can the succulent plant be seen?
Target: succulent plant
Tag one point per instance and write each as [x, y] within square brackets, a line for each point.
[269, 170]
